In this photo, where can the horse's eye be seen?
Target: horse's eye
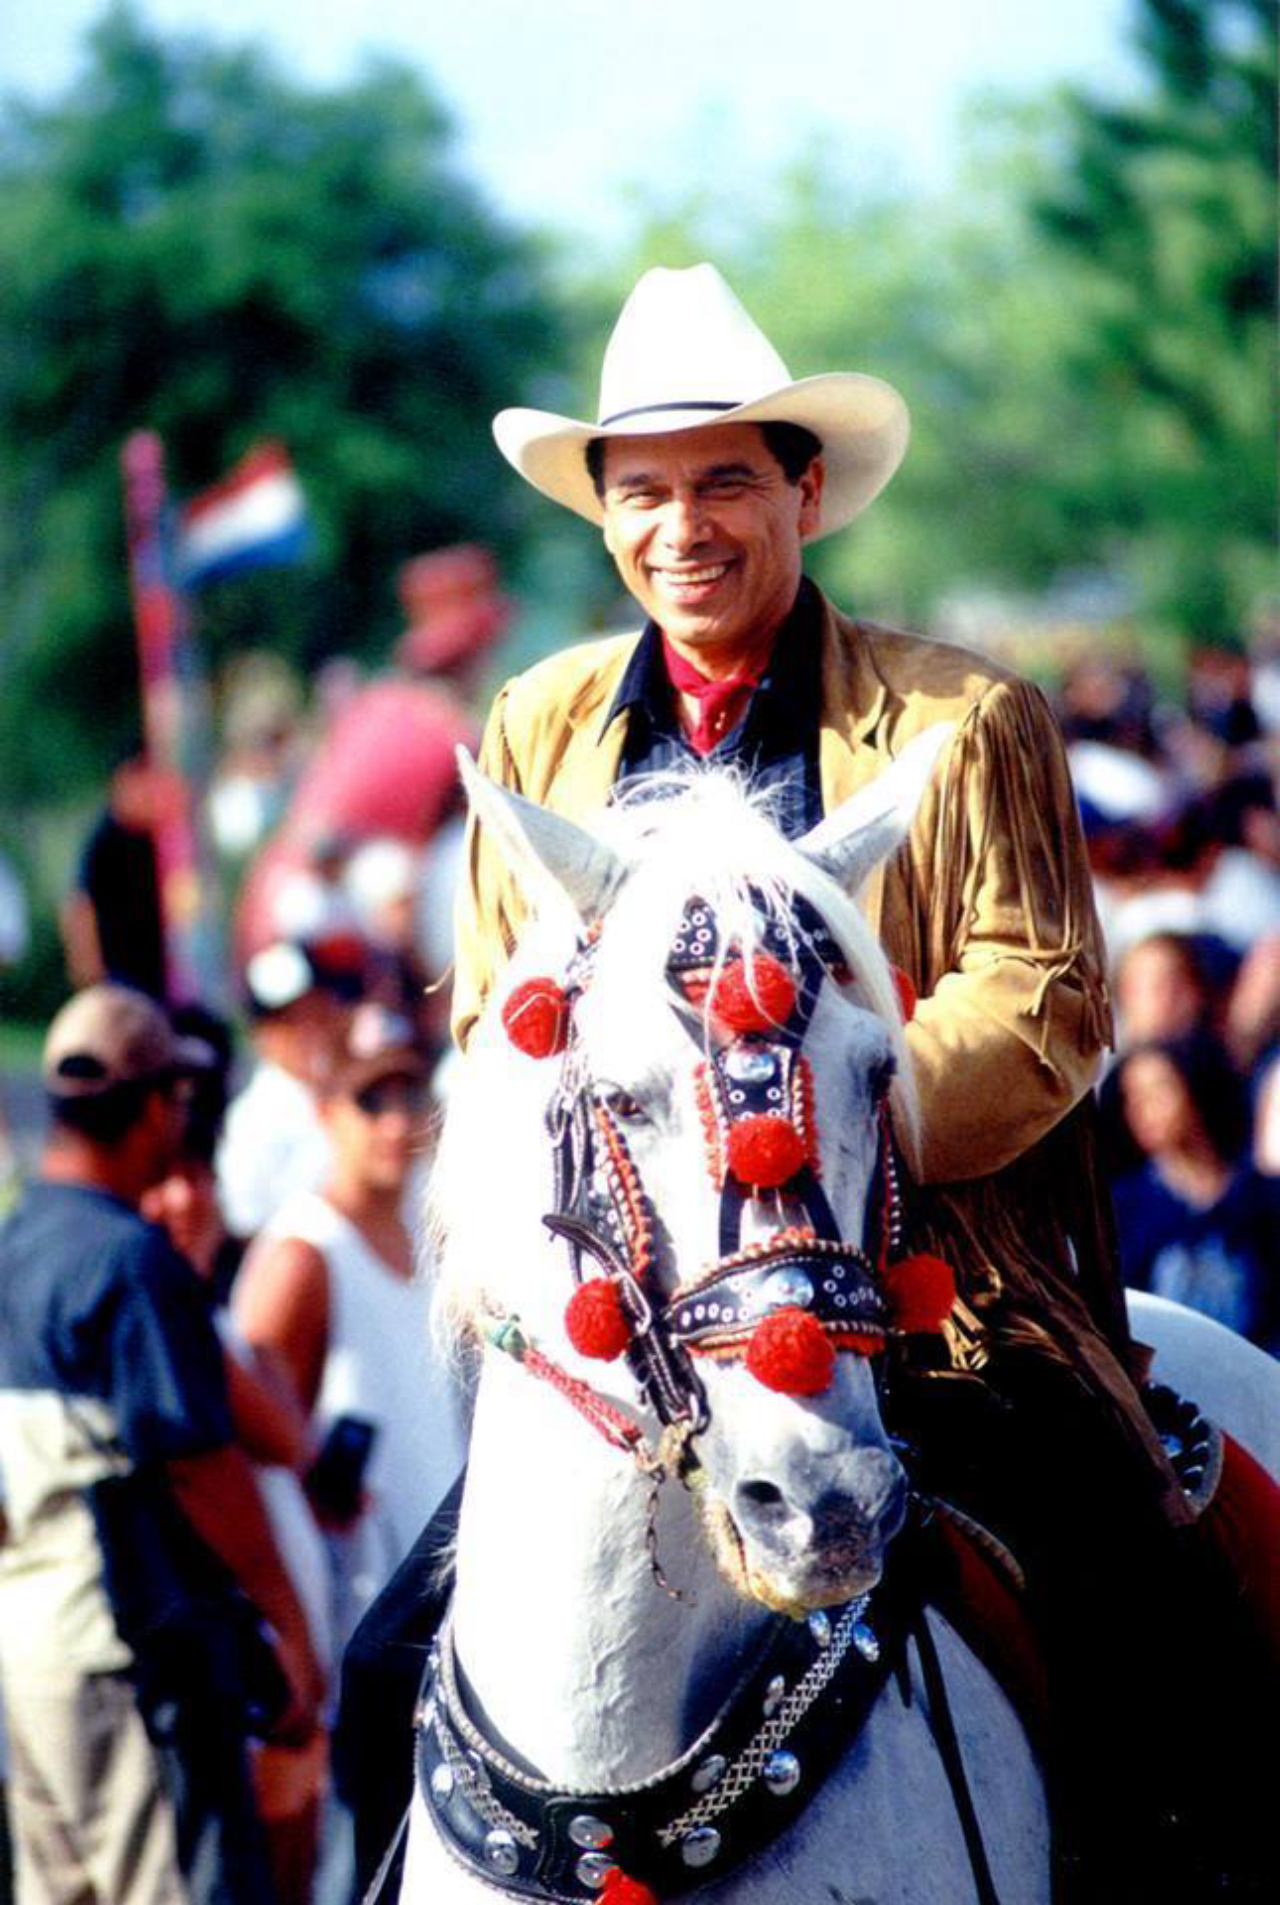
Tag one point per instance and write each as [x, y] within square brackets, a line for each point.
[621, 1105]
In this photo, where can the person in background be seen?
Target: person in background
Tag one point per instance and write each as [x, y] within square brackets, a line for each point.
[1197, 1220]
[456, 615]
[262, 744]
[127, 1784]
[111, 920]
[384, 885]
[329, 1291]
[1162, 989]
[273, 1431]
[15, 937]
[1167, 985]
[274, 1141]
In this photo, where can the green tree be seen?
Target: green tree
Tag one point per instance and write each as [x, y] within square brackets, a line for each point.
[1165, 209]
[1082, 328]
[192, 244]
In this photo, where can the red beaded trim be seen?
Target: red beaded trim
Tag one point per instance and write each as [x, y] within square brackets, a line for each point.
[711, 1117]
[727, 1349]
[626, 1181]
[802, 1113]
[776, 1245]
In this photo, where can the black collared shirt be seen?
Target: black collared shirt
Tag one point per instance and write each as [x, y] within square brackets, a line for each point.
[776, 741]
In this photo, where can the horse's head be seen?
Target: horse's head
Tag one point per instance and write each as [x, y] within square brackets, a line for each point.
[714, 1042]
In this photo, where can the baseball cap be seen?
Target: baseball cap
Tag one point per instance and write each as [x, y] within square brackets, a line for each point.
[287, 970]
[378, 1044]
[110, 1035]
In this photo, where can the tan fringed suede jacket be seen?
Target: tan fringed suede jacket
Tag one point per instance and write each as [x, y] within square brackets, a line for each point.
[989, 909]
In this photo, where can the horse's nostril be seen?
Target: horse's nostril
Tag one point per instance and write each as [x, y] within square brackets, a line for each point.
[761, 1494]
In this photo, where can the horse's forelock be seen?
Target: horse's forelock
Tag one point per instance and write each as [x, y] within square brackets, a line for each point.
[718, 839]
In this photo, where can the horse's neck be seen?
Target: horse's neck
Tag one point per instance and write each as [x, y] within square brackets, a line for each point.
[575, 1656]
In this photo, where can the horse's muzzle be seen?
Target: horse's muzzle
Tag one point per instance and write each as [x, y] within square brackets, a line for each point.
[830, 1520]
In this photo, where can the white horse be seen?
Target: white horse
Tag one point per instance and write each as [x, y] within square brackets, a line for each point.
[594, 1690]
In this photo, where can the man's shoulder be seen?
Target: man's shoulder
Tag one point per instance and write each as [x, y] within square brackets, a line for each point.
[70, 1258]
[571, 683]
[951, 679]
[52, 1214]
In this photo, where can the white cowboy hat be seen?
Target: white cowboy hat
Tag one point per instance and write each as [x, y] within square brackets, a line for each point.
[684, 353]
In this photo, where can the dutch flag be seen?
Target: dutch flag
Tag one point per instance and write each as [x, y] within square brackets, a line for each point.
[257, 515]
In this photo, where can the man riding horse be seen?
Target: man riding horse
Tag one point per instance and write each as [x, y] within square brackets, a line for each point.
[708, 470]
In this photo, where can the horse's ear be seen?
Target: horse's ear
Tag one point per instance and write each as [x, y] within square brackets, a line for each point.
[538, 843]
[866, 829]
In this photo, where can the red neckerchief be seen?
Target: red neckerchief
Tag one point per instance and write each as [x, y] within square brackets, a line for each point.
[721, 704]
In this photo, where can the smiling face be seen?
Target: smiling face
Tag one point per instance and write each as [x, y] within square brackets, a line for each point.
[706, 531]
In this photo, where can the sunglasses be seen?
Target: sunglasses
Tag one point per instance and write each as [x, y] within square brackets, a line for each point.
[391, 1094]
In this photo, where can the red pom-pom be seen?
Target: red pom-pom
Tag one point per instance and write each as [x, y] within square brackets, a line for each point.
[792, 1353]
[596, 1321]
[765, 1150]
[906, 992]
[536, 1018]
[736, 1005]
[920, 1292]
[618, 1889]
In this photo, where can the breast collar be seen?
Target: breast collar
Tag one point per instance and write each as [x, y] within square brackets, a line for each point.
[785, 1725]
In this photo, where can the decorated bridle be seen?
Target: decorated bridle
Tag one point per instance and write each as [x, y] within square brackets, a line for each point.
[786, 1305]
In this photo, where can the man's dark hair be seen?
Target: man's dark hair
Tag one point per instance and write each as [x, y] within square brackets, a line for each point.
[792, 447]
[105, 1117]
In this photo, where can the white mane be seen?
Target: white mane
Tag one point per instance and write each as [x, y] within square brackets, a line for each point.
[698, 833]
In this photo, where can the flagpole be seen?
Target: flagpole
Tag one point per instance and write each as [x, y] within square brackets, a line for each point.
[175, 728]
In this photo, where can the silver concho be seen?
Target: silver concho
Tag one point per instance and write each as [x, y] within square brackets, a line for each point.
[442, 1782]
[774, 1695]
[782, 1773]
[708, 1773]
[820, 1627]
[593, 1868]
[750, 1066]
[785, 1287]
[700, 1846]
[864, 1639]
[587, 1831]
[501, 1853]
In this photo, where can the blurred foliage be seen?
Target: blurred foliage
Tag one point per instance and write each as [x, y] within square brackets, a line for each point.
[1165, 210]
[194, 245]
[1082, 330]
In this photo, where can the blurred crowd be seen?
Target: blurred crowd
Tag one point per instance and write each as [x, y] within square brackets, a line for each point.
[291, 1179]
[1184, 841]
[280, 1145]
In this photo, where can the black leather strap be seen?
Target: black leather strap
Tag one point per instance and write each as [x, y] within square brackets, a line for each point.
[944, 1732]
[473, 1792]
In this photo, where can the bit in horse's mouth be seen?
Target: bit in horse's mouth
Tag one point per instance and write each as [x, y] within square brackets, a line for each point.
[841, 1574]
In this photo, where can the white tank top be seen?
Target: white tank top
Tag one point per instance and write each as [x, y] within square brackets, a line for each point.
[381, 1363]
